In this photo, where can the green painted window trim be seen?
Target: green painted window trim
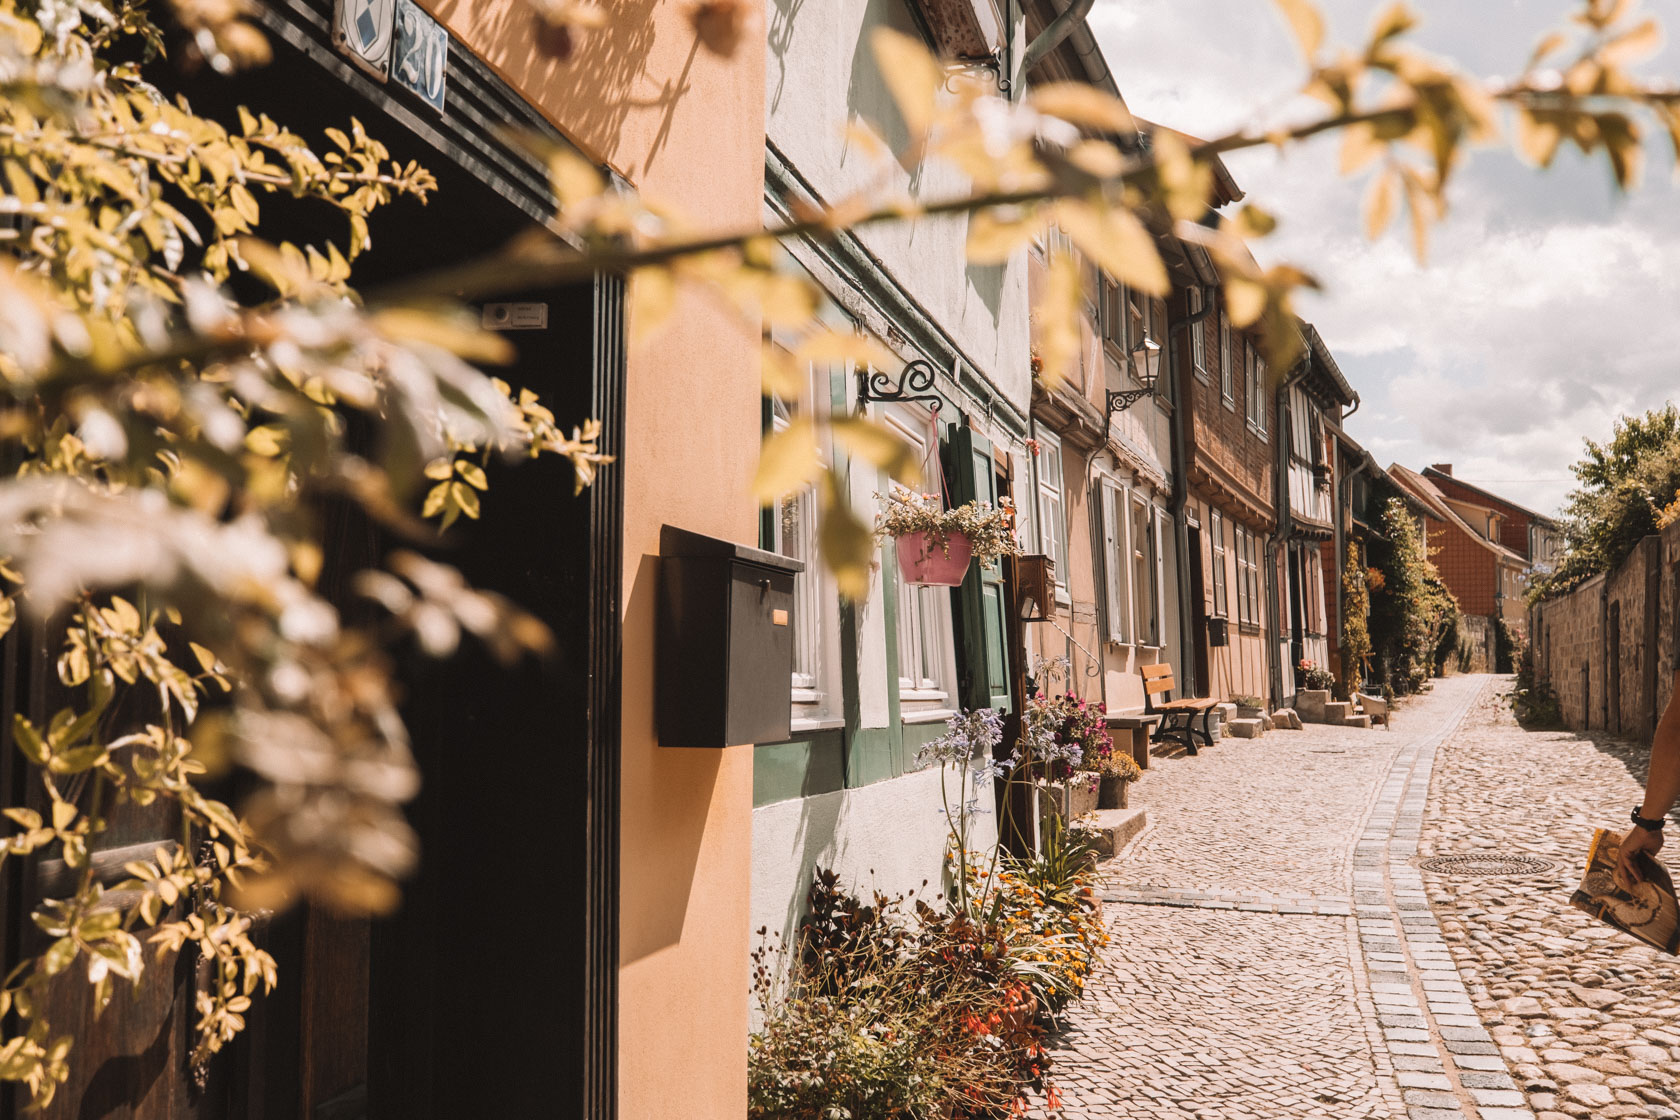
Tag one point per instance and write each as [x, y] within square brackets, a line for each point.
[799, 768]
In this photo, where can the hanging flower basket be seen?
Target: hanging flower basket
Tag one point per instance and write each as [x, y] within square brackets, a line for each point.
[926, 564]
[936, 545]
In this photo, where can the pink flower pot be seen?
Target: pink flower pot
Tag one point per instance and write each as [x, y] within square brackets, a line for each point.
[925, 564]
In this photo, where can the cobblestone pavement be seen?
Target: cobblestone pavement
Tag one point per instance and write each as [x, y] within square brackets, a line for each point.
[1274, 956]
[1587, 1019]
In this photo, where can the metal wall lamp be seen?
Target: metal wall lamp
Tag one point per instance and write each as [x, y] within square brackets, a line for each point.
[1149, 370]
[915, 382]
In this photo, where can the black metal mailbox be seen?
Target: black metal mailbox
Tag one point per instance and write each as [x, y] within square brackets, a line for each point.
[1219, 631]
[724, 659]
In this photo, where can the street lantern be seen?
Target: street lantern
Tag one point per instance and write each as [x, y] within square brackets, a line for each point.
[1146, 367]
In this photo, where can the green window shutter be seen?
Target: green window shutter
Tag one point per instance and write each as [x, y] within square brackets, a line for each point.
[979, 607]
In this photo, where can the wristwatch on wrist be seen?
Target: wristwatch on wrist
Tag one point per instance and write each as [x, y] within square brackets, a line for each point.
[1647, 824]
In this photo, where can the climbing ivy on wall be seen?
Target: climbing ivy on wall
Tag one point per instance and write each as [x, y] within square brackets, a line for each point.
[1356, 621]
[1411, 608]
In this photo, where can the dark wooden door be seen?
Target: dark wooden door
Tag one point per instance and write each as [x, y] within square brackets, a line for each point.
[1198, 684]
[980, 606]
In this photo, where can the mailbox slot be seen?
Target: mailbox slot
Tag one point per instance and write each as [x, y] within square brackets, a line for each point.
[724, 661]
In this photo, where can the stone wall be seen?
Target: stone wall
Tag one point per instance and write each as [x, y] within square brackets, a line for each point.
[1479, 634]
[1609, 646]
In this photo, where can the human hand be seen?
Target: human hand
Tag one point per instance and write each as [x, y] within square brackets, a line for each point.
[1635, 842]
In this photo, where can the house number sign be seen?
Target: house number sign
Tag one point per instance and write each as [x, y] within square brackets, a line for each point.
[420, 54]
[363, 29]
[395, 40]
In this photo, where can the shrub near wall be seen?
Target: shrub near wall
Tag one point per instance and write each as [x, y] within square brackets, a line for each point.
[1411, 609]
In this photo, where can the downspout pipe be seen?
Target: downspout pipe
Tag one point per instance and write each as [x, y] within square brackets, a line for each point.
[1053, 34]
[1284, 526]
[1181, 500]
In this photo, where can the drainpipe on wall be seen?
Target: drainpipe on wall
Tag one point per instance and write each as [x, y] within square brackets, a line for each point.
[1181, 499]
[1057, 30]
[1284, 522]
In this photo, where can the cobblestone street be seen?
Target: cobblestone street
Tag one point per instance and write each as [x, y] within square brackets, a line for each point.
[1311, 968]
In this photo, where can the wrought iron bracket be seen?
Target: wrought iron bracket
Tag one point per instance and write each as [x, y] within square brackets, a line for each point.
[1121, 400]
[914, 384]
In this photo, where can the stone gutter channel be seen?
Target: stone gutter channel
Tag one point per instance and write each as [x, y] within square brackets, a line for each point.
[1428, 1045]
[1444, 1061]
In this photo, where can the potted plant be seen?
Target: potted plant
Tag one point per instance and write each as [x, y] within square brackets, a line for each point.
[935, 544]
[1077, 746]
[1315, 677]
[1118, 774]
[1249, 706]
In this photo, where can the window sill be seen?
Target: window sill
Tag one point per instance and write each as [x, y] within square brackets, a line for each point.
[1203, 376]
[1230, 403]
[1248, 629]
[922, 695]
[811, 726]
[807, 696]
[927, 715]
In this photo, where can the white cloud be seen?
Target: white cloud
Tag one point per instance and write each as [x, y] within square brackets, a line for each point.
[1548, 305]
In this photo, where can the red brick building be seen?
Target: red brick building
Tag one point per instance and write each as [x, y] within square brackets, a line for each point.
[1465, 542]
[1533, 536]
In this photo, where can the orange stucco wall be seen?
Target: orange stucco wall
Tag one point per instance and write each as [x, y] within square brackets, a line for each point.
[686, 128]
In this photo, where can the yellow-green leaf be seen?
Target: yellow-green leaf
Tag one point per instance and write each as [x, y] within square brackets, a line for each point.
[465, 498]
[1083, 104]
[993, 236]
[472, 474]
[912, 75]
[847, 545]
[448, 328]
[1379, 205]
[1114, 237]
[1306, 23]
[878, 445]
[1057, 314]
[436, 497]
[1644, 39]
[787, 461]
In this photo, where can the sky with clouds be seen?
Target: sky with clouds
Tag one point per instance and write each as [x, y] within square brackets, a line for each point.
[1549, 303]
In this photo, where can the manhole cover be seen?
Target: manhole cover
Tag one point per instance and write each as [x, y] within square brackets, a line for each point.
[1485, 866]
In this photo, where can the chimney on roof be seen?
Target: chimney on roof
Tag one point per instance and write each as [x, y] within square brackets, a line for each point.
[1444, 468]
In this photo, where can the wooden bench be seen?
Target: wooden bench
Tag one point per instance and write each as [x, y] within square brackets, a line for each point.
[1178, 717]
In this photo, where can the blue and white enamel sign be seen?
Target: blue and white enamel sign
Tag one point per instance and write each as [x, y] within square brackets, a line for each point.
[420, 55]
[363, 30]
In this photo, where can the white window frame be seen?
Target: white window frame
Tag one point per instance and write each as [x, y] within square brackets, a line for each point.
[1255, 368]
[1227, 372]
[1145, 558]
[1221, 588]
[1048, 465]
[924, 630]
[1113, 303]
[815, 693]
[1198, 336]
[1117, 586]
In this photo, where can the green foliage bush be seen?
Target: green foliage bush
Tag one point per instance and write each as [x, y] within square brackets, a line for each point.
[1533, 701]
[897, 1008]
[1509, 648]
[1356, 621]
[1626, 487]
[1413, 618]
